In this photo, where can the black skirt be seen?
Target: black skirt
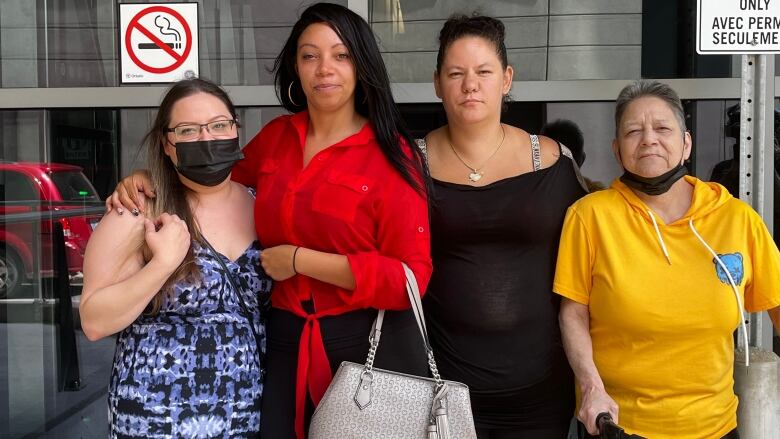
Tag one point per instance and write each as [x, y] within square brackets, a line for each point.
[346, 339]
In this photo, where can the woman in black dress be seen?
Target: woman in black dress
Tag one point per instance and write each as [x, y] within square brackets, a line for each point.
[499, 200]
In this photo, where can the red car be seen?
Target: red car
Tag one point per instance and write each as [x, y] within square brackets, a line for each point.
[29, 187]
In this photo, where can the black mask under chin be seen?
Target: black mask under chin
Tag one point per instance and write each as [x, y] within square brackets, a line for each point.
[207, 162]
[654, 185]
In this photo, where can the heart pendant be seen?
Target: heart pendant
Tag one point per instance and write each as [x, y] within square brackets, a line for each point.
[475, 176]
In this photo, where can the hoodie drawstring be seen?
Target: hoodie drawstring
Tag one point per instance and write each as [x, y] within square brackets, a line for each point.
[733, 287]
[660, 239]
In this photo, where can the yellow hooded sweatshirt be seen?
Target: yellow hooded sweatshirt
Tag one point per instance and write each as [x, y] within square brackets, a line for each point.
[662, 307]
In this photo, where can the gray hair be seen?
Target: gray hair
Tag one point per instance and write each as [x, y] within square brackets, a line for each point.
[642, 88]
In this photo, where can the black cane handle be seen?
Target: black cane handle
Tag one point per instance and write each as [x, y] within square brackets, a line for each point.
[609, 430]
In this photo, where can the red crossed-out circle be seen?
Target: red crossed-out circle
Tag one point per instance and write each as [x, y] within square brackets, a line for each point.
[178, 59]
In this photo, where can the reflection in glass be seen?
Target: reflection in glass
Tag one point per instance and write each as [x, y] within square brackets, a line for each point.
[48, 209]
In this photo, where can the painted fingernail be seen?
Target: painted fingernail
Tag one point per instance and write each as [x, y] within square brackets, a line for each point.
[120, 211]
[135, 212]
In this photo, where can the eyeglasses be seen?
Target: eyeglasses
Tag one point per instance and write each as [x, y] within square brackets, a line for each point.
[217, 128]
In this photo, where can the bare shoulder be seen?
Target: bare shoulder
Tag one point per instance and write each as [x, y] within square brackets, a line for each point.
[549, 147]
[515, 135]
[437, 136]
[434, 141]
[550, 151]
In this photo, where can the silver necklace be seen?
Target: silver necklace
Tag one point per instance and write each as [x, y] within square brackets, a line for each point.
[476, 173]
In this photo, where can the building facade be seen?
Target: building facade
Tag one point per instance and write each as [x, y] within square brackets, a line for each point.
[62, 101]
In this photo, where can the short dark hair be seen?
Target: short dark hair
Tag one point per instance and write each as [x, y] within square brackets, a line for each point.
[460, 25]
[373, 96]
[645, 88]
[569, 134]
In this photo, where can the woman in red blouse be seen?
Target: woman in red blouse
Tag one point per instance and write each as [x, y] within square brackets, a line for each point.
[341, 203]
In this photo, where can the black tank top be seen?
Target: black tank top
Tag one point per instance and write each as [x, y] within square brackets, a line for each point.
[492, 315]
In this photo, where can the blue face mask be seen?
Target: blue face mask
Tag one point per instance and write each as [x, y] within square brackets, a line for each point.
[208, 162]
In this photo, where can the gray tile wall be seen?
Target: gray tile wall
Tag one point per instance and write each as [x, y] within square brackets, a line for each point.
[574, 39]
[561, 7]
[415, 10]
[18, 51]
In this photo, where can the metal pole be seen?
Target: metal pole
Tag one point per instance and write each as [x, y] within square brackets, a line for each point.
[756, 170]
[746, 150]
[764, 170]
[757, 385]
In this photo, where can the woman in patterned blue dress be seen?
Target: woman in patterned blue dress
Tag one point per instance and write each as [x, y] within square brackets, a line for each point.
[183, 286]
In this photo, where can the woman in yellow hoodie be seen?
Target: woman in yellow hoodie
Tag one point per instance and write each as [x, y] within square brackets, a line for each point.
[655, 273]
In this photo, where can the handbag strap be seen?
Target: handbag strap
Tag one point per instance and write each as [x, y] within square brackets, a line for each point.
[413, 291]
[241, 303]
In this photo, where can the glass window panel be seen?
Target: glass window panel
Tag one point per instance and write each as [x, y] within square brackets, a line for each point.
[22, 353]
[22, 135]
[81, 42]
[597, 122]
[15, 187]
[87, 139]
[74, 186]
[569, 40]
[62, 152]
[74, 43]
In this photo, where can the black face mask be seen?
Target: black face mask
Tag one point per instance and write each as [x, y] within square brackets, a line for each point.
[654, 185]
[207, 162]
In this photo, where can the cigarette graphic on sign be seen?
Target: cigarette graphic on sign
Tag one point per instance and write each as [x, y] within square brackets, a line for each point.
[164, 25]
[147, 46]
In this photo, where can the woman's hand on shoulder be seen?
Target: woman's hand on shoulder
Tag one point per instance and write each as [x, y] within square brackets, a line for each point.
[168, 240]
[128, 193]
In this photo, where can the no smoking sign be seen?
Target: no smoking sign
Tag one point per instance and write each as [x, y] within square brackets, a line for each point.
[158, 42]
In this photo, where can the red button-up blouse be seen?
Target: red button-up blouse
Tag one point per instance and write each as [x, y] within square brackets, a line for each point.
[348, 200]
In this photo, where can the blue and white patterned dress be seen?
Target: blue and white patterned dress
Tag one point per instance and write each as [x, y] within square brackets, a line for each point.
[193, 369]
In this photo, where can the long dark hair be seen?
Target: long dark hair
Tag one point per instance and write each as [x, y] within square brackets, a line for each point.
[373, 97]
[171, 193]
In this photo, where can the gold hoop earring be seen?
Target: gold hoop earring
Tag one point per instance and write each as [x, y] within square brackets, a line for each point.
[289, 95]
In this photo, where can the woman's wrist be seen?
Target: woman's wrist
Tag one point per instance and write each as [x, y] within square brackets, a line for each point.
[295, 256]
[591, 383]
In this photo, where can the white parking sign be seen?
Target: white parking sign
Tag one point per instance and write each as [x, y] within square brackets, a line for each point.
[738, 26]
[158, 42]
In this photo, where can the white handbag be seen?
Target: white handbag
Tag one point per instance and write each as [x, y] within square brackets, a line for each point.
[362, 402]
